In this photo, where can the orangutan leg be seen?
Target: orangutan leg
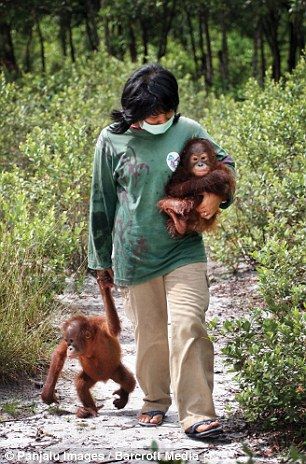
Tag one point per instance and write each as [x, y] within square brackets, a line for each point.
[176, 205]
[177, 209]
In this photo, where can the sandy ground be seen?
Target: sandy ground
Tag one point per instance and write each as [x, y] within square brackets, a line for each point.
[40, 433]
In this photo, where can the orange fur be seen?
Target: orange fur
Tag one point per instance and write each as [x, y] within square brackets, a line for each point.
[187, 186]
[94, 341]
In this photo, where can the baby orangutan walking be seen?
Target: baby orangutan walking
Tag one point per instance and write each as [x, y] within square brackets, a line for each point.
[94, 342]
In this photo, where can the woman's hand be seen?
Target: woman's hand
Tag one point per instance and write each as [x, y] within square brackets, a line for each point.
[209, 206]
[105, 277]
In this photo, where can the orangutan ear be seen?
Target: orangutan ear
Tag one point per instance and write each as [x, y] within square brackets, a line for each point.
[87, 334]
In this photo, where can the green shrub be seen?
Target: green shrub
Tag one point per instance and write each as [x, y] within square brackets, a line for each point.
[268, 355]
[266, 226]
[47, 134]
[35, 247]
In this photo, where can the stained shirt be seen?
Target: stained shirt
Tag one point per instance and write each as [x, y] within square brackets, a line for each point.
[126, 230]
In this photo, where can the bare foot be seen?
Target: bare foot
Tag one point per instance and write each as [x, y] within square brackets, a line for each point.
[83, 413]
[204, 427]
[203, 430]
[146, 418]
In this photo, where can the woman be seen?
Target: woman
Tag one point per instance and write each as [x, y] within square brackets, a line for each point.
[162, 276]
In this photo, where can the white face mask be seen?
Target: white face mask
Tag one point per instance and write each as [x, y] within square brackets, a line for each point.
[157, 129]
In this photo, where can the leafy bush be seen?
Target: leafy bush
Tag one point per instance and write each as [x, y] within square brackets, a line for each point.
[47, 134]
[268, 355]
[35, 247]
[266, 226]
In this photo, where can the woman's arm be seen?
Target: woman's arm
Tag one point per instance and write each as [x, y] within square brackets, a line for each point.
[103, 201]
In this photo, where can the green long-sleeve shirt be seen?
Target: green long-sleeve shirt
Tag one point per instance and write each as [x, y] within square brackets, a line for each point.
[126, 230]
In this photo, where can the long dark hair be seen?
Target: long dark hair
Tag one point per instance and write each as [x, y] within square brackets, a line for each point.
[150, 90]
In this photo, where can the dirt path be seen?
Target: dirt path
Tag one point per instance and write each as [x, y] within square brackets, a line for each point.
[38, 433]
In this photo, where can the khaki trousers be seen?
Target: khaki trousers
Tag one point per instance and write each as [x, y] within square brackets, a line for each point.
[187, 358]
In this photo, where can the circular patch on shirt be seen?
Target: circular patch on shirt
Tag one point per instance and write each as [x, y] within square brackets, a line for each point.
[173, 159]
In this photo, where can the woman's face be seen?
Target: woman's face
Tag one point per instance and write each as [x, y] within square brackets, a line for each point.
[160, 118]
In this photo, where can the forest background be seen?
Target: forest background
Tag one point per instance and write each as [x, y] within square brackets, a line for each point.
[241, 73]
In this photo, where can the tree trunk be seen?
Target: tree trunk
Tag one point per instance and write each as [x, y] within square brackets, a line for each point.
[301, 34]
[132, 44]
[120, 49]
[7, 53]
[206, 55]
[296, 35]
[293, 47]
[209, 61]
[223, 55]
[107, 39]
[72, 49]
[181, 33]
[271, 23]
[42, 47]
[192, 41]
[89, 35]
[114, 31]
[27, 56]
[166, 26]
[92, 9]
[145, 40]
[256, 48]
[262, 60]
[63, 34]
[66, 34]
[202, 50]
[259, 60]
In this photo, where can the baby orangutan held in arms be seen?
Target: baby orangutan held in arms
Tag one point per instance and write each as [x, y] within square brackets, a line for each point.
[198, 173]
[94, 342]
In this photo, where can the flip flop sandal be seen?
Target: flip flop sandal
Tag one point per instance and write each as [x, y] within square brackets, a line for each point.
[214, 432]
[152, 414]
